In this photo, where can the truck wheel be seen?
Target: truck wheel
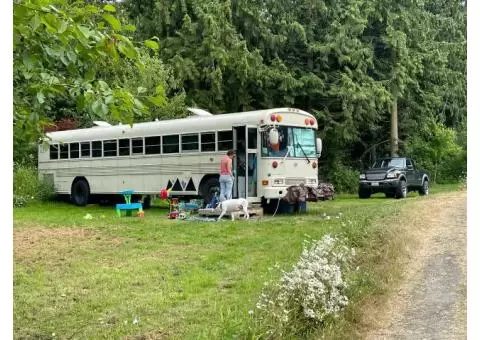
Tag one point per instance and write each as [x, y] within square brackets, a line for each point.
[424, 189]
[401, 190]
[80, 192]
[364, 193]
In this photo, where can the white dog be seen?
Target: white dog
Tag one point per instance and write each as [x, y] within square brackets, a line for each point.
[232, 206]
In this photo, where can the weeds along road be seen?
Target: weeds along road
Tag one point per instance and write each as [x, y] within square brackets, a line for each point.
[430, 302]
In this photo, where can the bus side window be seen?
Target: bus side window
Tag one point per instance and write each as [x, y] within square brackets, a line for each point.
[137, 146]
[63, 151]
[124, 147]
[85, 149]
[171, 144]
[110, 148]
[54, 151]
[74, 150]
[190, 143]
[225, 140]
[97, 148]
[152, 145]
[252, 138]
[207, 141]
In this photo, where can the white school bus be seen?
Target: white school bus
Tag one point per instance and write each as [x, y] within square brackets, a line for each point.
[275, 148]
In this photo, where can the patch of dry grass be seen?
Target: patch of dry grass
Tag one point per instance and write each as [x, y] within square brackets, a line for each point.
[55, 244]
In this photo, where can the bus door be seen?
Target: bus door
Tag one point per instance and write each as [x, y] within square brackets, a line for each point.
[245, 163]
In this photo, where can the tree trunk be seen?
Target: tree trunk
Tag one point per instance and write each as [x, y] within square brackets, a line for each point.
[394, 132]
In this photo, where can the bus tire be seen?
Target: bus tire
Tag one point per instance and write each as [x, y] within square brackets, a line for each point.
[80, 192]
[147, 202]
[209, 188]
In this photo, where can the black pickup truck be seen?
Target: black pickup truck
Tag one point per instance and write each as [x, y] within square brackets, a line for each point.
[394, 176]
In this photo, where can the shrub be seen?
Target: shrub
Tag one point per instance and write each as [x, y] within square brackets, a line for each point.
[441, 151]
[27, 187]
[344, 178]
[20, 201]
[311, 292]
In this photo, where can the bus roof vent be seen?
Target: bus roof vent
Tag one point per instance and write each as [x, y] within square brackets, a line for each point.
[101, 123]
[199, 112]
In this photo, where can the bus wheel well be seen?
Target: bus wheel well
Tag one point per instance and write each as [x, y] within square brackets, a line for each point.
[208, 185]
[206, 178]
[78, 178]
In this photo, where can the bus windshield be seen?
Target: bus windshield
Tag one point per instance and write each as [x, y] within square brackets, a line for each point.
[297, 142]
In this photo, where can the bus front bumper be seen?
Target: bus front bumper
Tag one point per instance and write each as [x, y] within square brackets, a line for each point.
[274, 192]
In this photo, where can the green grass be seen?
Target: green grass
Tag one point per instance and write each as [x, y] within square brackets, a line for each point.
[438, 188]
[90, 278]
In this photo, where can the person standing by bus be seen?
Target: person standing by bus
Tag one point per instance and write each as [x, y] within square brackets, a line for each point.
[226, 176]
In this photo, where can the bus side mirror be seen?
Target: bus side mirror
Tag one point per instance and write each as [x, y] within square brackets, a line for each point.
[319, 147]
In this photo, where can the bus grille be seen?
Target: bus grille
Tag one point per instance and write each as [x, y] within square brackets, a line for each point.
[295, 181]
[375, 176]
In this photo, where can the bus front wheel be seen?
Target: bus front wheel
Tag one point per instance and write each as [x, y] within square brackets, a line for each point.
[80, 192]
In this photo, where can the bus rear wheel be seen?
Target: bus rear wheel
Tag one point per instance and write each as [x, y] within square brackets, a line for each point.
[80, 192]
[147, 202]
[209, 188]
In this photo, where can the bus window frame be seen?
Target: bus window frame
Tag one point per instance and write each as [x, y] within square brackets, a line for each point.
[101, 148]
[218, 141]
[129, 147]
[190, 151]
[214, 133]
[151, 145]
[89, 149]
[50, 153]
[179, 145]
[132, 154]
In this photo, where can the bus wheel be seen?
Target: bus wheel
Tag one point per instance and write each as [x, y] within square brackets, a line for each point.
[209, 188]
[80, 192]
[147, 202]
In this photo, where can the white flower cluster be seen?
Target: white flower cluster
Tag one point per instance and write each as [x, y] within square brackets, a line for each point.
[315, 287]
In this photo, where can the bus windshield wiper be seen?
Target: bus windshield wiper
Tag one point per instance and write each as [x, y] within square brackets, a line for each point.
[308, 159]
[289, 149]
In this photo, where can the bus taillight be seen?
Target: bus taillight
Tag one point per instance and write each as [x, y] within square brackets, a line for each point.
[314, 165]
[275, 164]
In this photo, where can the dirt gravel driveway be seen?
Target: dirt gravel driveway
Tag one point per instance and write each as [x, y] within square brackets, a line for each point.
[430, 303]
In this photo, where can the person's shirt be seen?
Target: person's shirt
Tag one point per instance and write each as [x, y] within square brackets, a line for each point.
[226, 166]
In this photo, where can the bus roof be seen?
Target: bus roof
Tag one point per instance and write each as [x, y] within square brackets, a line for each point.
[191, 124]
